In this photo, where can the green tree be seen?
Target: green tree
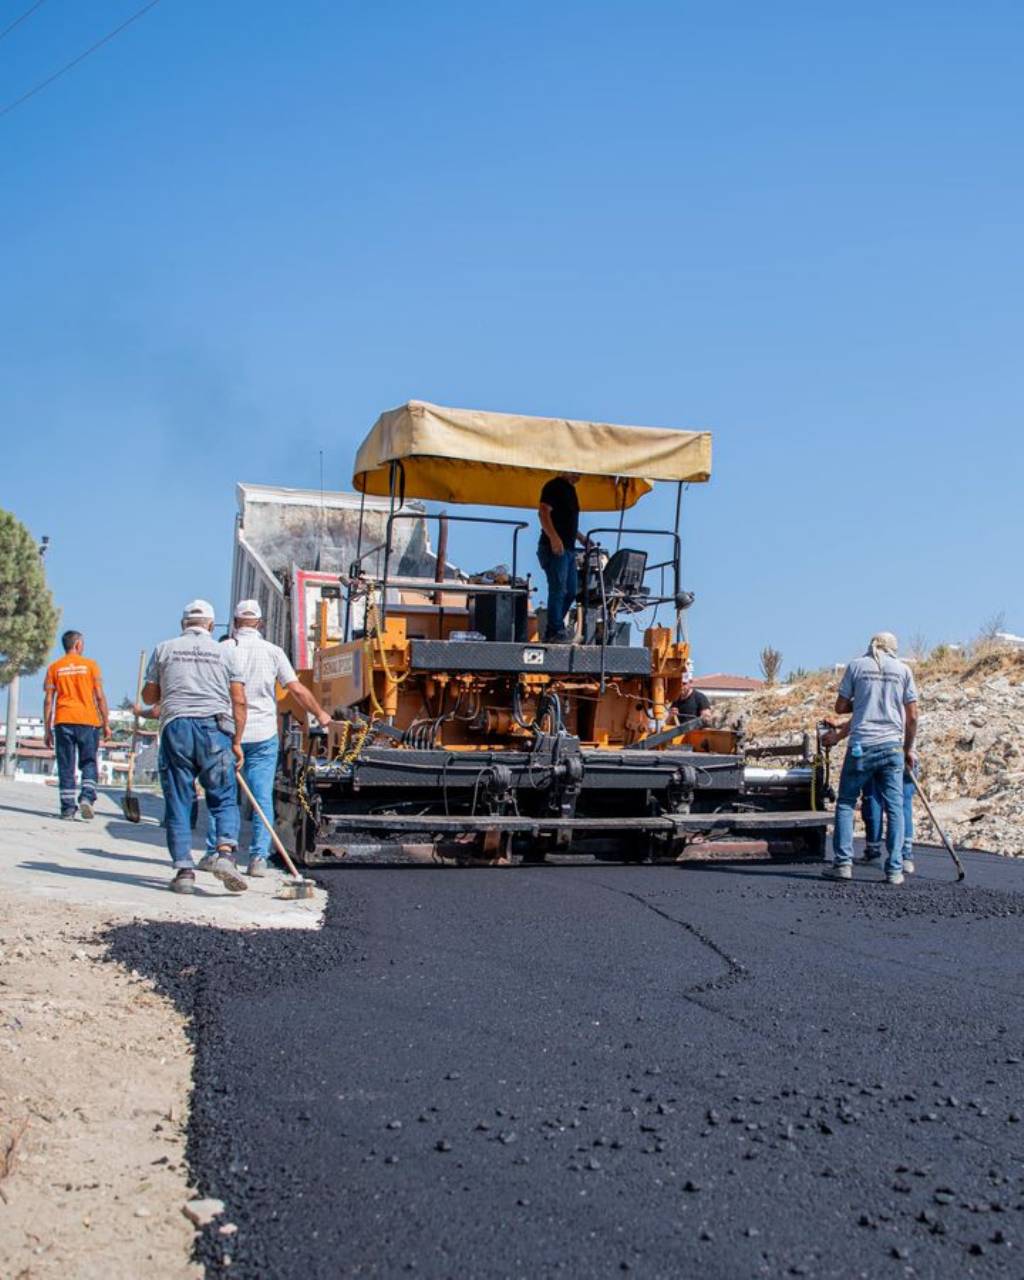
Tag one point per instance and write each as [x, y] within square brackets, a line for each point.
[28, 615]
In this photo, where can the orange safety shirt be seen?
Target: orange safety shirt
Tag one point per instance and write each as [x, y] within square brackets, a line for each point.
[75, 680]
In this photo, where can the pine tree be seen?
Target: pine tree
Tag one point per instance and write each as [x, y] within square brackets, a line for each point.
[28, 615]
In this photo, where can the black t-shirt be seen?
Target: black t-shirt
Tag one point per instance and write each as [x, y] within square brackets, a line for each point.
[560, 496]
[689, 708]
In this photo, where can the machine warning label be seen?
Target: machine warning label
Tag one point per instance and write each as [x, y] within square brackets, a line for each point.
[337, 666]
[533, 657]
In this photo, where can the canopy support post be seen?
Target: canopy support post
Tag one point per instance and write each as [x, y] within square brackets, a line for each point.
[355, 567]
[678, 564]
[392, 473]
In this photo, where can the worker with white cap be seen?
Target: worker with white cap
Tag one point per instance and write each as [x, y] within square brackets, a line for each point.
[879, 689]
[200, 687]
[264, 666]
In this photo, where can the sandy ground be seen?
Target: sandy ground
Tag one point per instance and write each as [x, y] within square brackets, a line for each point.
[95, 1068]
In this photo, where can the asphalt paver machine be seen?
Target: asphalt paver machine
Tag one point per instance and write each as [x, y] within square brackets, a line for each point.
[461, 737]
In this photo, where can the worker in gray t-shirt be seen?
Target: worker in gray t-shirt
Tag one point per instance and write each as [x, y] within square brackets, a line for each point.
[879, 690]
[201, 690]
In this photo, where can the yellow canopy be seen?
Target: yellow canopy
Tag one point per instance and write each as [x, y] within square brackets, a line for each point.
[503, 459]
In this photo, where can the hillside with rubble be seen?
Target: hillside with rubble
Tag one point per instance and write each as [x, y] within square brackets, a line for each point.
[970, 740]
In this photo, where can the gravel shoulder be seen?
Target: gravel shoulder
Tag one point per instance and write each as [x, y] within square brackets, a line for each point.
[95, 1064]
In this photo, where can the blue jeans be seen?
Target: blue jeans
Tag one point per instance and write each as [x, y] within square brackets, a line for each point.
[562, 584]
[882, 768]
[192, 748]
[871, 812]
[258, 771]
[71, 740]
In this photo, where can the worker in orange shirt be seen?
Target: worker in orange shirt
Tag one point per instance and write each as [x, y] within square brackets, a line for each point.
[75, 713]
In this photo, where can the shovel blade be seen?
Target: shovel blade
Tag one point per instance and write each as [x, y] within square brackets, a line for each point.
[130, 808]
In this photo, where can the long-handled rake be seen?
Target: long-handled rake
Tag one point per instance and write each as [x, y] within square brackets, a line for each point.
[129, 803]
[960, 872]
[298, 886]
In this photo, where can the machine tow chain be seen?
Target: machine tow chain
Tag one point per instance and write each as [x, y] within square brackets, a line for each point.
[358, 739]
[302, 791]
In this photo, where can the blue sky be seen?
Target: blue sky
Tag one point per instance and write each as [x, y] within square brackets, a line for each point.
[238, 232]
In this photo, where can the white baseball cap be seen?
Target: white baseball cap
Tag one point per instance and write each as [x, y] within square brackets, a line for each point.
[198, 609]
[248, 609]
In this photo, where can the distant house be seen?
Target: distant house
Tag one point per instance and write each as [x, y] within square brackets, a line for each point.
[35, 762]
[722, 688]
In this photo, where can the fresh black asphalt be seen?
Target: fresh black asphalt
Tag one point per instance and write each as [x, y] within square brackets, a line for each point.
[720, 1071]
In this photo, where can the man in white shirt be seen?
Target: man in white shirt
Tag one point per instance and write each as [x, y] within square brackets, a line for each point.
[264, 666]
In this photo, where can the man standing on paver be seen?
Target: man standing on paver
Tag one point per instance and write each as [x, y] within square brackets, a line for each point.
[264, 666]
[559, 514]
[201, 690]
[879, 690]
[74, 713]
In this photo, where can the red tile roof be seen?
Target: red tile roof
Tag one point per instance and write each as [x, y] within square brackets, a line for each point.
[739, 684]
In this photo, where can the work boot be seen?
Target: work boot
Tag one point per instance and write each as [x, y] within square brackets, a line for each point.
[838, 871]
[183, 882]
[872, 852]
[257, 867]
[227, 873]
[208, 862]
[85, 809]
[908, 866]
[894, 877]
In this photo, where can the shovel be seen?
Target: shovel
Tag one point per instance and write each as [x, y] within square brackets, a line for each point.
[129, 803]
[960, 873]
[298, 886]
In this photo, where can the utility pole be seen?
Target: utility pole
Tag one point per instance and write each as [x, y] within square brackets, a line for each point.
[11, 740]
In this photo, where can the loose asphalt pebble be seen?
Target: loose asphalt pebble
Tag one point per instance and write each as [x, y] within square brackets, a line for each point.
[448, 996]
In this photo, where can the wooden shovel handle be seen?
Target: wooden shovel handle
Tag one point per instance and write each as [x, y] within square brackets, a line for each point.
[278, 845]
[960, 873]
[135, 723]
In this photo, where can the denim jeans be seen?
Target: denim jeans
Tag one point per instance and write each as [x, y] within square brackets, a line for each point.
[882, 767]
[871, 811]
[192, 748]
[258, 771]
[562, 584]
[71, 740]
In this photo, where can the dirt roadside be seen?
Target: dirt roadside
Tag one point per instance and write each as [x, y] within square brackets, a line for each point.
[95, 1067]
[95, 1072]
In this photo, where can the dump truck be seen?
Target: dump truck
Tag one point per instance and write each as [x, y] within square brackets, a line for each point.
[291, 543]
[460, 736]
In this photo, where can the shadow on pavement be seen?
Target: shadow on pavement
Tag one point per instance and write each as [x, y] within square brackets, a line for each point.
[136, 832]
[124, 857]
[116, 877]
[38, 813]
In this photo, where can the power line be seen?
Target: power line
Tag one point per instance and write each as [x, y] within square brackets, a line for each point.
[18, 21]
[80, 58]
